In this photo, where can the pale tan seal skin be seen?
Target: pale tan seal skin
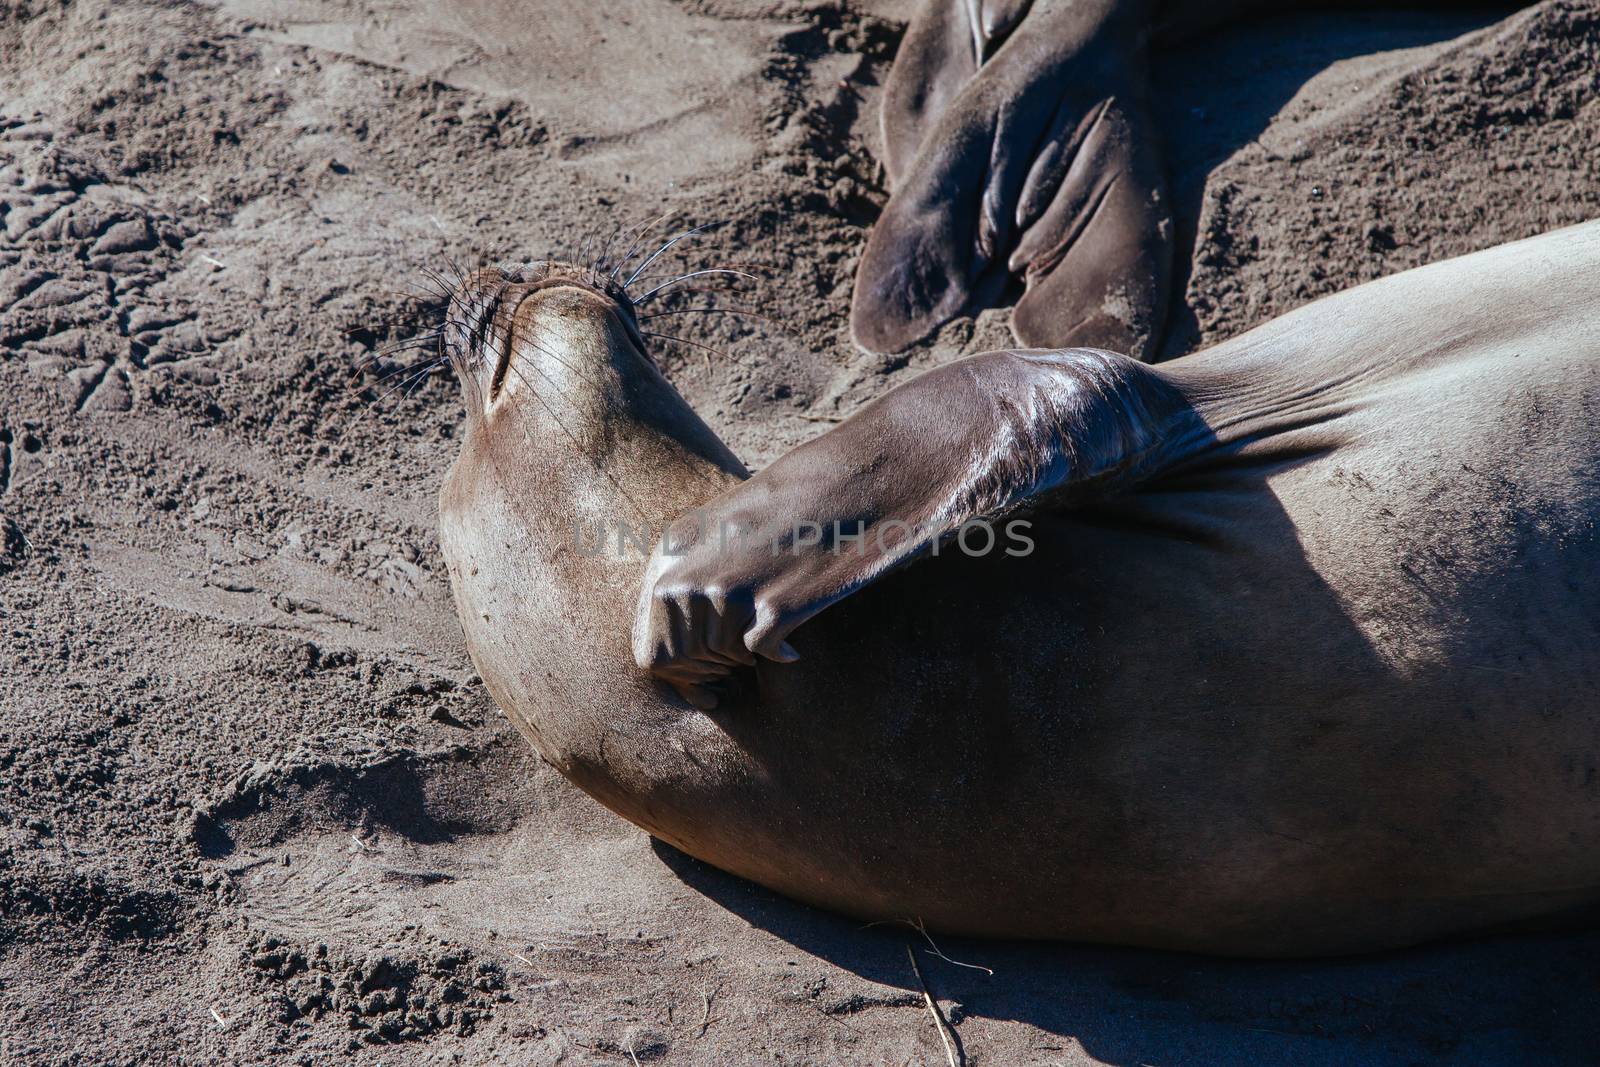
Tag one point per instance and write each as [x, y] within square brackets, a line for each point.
[1319, 673]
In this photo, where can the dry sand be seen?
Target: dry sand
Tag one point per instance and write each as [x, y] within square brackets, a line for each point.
[254, 805]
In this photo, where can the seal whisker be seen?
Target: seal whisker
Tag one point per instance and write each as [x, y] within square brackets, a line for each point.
[415, 341]
[666, 270]
[635, 243]
[427, 334]
[426, 372]
[588, 240]
[413, 376]
[605, 258]
[605, 250]
[658, 252]
[367, 369]
[412, 332]
[384, 327]
[418, 306]
[456, 269]
[417, 295]
[443, 292]
[707, 290]
[422, 373]
[479, 309]
[446, 287]
[417, 318]
[366, 362]
[437, 277]
[434, 285]
[695, 274]
[430, 363]
[710, 250]
[712, 288]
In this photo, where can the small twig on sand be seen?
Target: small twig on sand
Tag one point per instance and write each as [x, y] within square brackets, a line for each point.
[920, 927]
[933, 949]
[215, 1014]
[705, 1014]
[611, 1050]
[631, 1056]
[933, 1009]
[820, 1010]
[813, 417]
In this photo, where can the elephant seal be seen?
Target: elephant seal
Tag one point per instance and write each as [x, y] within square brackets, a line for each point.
[1019, 145]
[1304, 658]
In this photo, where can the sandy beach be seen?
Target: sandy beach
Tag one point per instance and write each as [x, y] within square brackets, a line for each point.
[255, 805]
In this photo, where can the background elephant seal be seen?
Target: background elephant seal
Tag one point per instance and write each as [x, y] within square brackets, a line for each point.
[1019, 146]
[1304, 658]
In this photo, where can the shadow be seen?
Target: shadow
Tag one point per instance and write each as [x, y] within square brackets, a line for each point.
[1499, 1000]
[1215, 92]
[426, 800]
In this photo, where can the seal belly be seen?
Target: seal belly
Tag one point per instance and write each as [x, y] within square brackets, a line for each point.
[1330, 687]
[1457, 532]
[1195, 720]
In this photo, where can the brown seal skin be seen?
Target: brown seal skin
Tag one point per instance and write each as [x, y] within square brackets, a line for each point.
[1305, 658]
[1018, 143]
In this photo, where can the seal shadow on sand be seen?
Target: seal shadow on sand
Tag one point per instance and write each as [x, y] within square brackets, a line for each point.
[1495, 1000]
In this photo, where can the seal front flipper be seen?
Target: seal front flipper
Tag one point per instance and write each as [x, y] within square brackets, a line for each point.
[942, 50]
[975, 441]
[1042, 165]
[936, 60]
[1096, 246]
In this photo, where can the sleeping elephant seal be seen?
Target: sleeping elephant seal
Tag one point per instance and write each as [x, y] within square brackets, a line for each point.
[1304, 658]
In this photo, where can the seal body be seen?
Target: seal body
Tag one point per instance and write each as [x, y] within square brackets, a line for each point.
[1324, 678]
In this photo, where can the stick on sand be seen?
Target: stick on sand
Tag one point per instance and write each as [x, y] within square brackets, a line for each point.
[933, 1009]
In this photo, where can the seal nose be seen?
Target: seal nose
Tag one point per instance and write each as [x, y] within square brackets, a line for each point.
[551, 331]
[481, 296]
[469, 330]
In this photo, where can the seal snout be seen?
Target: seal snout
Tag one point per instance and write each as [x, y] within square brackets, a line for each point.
[506, 329]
